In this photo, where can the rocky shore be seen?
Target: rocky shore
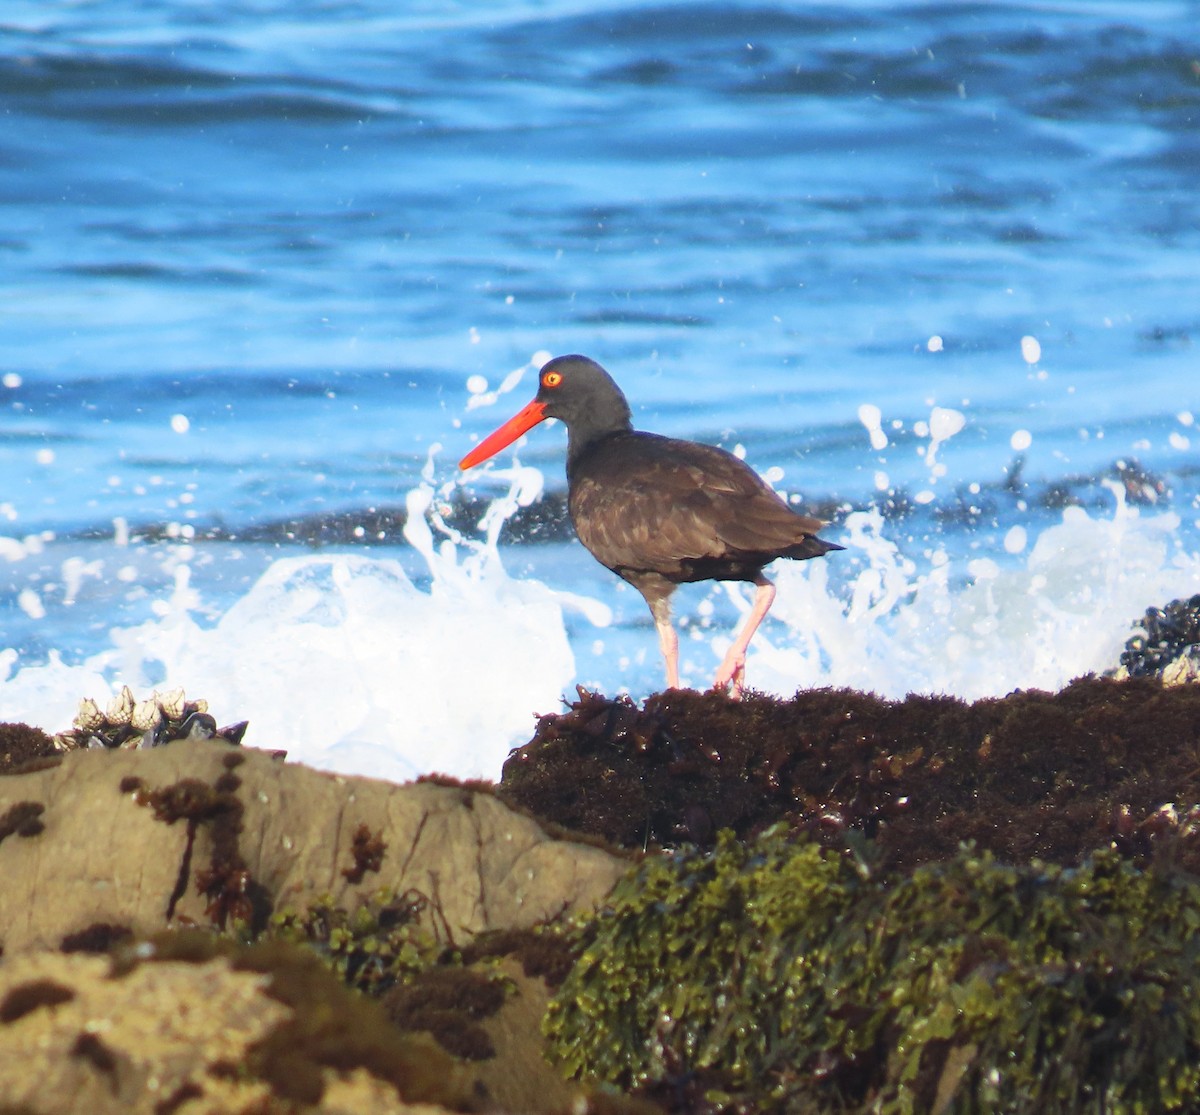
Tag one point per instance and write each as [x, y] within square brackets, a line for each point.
[829, 903]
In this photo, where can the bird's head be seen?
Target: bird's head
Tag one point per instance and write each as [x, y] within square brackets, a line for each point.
[573, 389]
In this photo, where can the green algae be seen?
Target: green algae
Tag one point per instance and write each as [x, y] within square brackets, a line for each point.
[780, 975]
[371, 948]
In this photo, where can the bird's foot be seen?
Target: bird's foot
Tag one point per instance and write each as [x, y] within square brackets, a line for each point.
[732, 673]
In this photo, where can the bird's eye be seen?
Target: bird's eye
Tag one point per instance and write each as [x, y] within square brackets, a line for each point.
[551, 379]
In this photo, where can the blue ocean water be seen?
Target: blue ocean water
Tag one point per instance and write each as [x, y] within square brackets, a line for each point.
[934, 263]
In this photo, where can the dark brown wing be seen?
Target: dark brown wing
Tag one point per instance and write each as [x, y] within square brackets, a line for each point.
[641, 502]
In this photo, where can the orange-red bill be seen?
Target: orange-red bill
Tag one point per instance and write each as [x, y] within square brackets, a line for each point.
[518, 424]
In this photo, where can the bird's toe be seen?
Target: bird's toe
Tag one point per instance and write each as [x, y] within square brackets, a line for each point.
[731, 674]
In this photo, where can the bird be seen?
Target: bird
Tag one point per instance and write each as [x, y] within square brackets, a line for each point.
[658, 511]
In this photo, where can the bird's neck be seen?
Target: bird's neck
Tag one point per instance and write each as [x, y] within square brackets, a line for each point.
[589, 429]
[578, 448]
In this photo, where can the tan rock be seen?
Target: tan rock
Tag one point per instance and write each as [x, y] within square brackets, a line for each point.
[519, 1078]
[107, 854]
[166, 1035]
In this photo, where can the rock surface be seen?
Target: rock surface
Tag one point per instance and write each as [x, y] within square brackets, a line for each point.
[170, 1036]
[101, 848]
[111, 847]
[193, 834]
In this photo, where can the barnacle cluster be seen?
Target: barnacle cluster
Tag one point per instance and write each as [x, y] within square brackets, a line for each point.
[129, 723]
[778, 975]
[1168, 635]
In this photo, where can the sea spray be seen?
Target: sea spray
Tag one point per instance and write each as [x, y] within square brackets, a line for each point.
[431, 655]
[971, 626]
[341, 659]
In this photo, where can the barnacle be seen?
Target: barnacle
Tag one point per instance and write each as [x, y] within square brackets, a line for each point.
[171, 703]
[159, 719]
[120, 708]
[89, 717]
[145, 716]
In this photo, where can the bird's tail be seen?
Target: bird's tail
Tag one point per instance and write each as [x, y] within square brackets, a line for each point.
[811, 547]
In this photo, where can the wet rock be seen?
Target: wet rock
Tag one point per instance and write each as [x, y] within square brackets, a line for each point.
[175, 836]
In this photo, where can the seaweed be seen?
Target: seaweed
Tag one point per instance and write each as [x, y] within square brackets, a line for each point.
[1028, 775]
[234, 896]
[169, 1104]
[448, 1002]
[88, 1047]
[99, 937]
[22, 819]
[38, 763]
[547, 952]
[371, 948]
[779, 974]
[21, 744]
[329, 1027]
[27, 997]
[367, 849]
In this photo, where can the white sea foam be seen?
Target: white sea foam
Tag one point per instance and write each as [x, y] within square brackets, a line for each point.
[344, 661]
[983, 630]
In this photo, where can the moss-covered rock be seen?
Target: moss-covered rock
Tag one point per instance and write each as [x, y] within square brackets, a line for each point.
[780, 975]
[1033, 774]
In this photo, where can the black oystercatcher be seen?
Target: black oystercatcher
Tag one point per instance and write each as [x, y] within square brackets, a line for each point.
[657, 511]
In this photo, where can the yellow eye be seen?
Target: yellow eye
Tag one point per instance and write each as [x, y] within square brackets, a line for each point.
[551, 379]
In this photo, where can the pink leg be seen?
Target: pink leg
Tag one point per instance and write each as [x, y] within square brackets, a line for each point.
[668, 641]
[732, 671]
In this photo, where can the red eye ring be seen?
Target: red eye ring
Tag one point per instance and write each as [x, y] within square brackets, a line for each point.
[551, 379]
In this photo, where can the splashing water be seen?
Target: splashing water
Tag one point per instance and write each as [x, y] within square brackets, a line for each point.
[1064, 611]
[342, 661]
[347, 663]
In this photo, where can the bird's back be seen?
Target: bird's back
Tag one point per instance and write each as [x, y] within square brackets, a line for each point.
[642, 503]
